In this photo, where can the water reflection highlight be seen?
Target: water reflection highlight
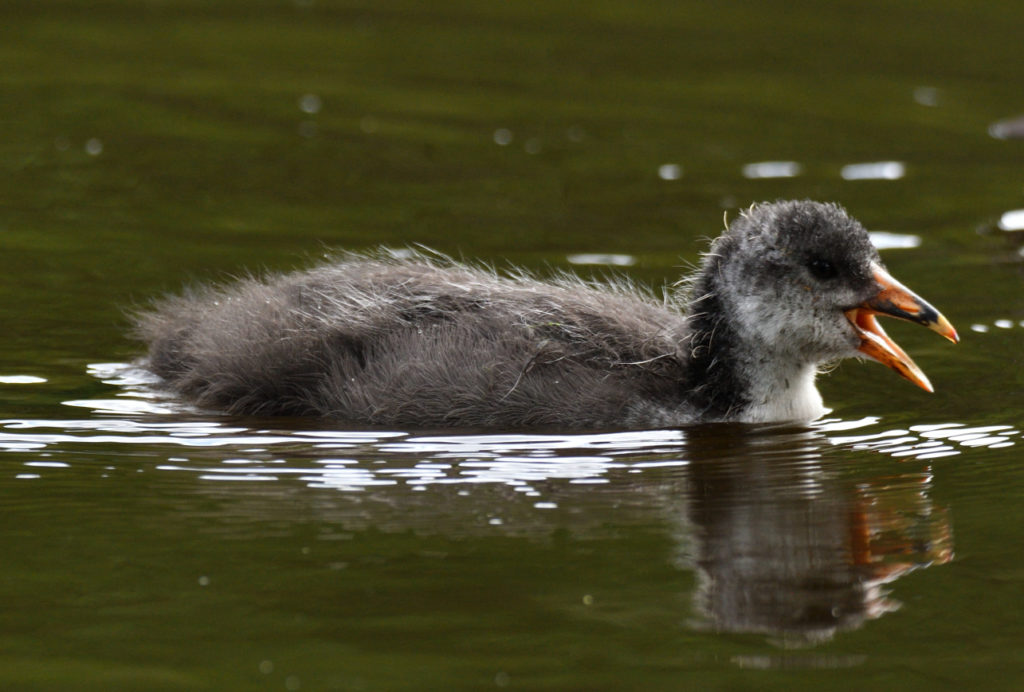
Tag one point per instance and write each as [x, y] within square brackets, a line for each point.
[794, 533]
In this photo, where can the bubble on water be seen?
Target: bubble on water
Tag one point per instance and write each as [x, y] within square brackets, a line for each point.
[772, 169]
[1012, 128]
[927, 96]
[875, 170]
[999, 324]
[608, 258]
[266, 667]
[886, 240]
[310, 103]
[93, 147]
[503, 137]
[1012, 220]
[670, 171]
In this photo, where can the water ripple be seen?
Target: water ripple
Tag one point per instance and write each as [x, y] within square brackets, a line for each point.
[389, 457]
[931, 441]
[227, 450]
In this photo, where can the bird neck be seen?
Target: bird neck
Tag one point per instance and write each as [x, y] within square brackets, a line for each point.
[714, 380]
[735, 376]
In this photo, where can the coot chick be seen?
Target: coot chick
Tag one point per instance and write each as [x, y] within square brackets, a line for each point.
[419, 340]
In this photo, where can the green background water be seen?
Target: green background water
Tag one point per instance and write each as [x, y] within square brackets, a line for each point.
[149, 144]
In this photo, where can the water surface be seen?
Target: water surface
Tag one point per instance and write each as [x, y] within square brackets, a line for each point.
[149, 545]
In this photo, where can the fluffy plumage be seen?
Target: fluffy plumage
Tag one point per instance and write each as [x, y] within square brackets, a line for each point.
[418, 340]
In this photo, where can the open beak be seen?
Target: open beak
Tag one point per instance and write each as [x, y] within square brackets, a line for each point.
[896, 300]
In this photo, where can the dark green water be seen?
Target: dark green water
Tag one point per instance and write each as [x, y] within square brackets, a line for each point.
[148, 546]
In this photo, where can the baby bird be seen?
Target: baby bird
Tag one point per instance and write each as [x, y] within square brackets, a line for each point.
[417, 340]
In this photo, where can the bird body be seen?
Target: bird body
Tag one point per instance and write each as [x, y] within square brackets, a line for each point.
[418, 340]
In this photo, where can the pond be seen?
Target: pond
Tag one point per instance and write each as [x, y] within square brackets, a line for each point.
[150, 545]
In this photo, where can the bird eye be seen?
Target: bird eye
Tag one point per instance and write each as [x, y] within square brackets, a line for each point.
[822, 269]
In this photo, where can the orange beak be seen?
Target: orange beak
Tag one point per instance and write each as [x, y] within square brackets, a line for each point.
[896, 300]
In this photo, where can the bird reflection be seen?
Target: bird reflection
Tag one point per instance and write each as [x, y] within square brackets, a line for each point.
[787, 530]
[783, 545]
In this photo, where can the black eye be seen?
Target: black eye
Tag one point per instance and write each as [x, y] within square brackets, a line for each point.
[822, 269]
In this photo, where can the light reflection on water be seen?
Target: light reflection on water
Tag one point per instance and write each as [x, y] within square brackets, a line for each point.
[783, 537]
[338, 459]
[514, 459]
[502, 458]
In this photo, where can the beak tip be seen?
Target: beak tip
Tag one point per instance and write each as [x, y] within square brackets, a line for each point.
[915, 375]
[943, 327]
